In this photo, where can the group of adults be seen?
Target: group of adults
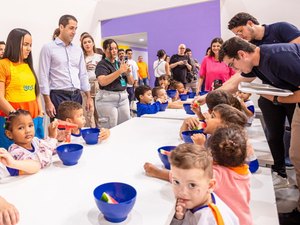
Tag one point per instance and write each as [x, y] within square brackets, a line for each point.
[271, 53]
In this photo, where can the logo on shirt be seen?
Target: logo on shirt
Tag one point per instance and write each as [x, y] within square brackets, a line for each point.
[28, 87]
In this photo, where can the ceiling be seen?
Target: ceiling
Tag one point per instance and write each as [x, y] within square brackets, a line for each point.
[134, 40]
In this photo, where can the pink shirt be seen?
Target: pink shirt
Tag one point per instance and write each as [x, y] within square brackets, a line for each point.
[234, 190]
[214, 70]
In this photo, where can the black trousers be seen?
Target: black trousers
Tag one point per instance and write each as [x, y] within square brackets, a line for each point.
[58, 96]
[274, 117]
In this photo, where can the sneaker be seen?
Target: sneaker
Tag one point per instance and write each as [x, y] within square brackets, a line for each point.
[292, 218]
[279, 181]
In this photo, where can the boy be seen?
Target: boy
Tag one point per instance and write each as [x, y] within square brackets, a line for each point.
[193, 185]
[144, 96]
[247, 105]
[73, 112]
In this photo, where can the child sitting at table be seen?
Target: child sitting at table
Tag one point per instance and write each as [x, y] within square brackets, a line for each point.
[164, 81]
[176, 85]
[72, 112]
[28, 154]
[144, 96]
[160, 93]
[193, 185]
[247, 105]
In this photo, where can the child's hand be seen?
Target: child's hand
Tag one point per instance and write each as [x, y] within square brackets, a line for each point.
[6, 158]
[8, 213]
[180, 209]
[192, 123]
[53, 129]
[104, 134]
[63, 135]
[198, 139]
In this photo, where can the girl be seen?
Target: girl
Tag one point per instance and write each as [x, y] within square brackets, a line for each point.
[19, 87]
[91, 59]
[212, 69]
[28, 154]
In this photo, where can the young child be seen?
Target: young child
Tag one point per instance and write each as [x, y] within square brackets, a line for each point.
[247, 105]
[144, 96]
[228, 146]
[179, 87]
[160, 93]
[73, 112]
[28, 154]
[193, 185]
[164, 81]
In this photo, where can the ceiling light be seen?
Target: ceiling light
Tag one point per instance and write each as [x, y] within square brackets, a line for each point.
[141, 39]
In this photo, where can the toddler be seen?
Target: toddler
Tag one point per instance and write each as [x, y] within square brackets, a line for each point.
[72, 112]
[145, 106]
[160, 93]
[28, 154]
[247, 105]
[193, 186]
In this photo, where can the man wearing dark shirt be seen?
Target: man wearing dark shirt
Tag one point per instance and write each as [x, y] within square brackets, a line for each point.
[180, 65]
[277, 65]
[247, 27]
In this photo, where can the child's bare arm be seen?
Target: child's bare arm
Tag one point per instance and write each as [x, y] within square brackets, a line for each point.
[28, 166]
[53, 129]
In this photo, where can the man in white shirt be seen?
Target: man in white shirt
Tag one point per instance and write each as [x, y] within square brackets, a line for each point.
[134, 70]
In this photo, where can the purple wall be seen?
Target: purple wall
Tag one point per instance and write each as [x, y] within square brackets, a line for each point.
[194, 25]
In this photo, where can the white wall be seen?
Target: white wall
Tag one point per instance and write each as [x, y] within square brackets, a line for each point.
[40, 18]
[266, 11]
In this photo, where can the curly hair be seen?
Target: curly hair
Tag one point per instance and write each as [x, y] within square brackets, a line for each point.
[228, 146]
[12, 116]
[66, 109]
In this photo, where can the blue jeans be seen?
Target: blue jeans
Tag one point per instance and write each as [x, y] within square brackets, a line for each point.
[112, 108]
[39, 131]
[144, 81]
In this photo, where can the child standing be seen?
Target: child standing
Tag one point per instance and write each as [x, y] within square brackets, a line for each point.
[247, 105]
[193, 185]
[28, 154]
[144, 96]
[73, 112]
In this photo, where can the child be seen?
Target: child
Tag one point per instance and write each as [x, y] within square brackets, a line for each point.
[228, 146]
[144, 96]
[193, 185]
[73, 112]
[179, 87]
[164, 81]
[28, 154]
[160, 93]
[247, 105]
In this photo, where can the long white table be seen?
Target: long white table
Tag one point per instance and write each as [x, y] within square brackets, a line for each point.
[63, 195]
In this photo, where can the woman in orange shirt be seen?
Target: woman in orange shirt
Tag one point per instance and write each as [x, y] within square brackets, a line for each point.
[19, 87]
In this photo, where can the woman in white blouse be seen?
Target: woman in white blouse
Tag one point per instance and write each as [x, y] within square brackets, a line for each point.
[160, 66]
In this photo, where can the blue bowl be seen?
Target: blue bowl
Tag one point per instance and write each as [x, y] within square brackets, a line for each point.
[69, 154]
[163, 106]
[203, 92]
[90, 135]
[124, 194]
[187, 108]
[186, 135]
[192, 94]
[165, 158]
[171, 93]
[183, 97]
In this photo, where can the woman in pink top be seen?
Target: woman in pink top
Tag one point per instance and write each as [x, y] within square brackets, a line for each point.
[213, 71]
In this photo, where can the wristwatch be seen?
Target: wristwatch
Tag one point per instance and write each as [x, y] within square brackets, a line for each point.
[275, 100]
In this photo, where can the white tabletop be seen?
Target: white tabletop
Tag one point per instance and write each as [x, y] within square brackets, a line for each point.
[63, 195]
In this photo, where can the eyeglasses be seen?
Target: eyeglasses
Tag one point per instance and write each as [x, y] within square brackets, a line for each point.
[239, 30]
[231, 64]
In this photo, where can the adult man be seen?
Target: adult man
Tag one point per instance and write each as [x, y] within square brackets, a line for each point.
[247, 27]
[193, 74]
[143, 71]
[180, 65]
[277, 65]
[62, 69]
[134, 70]
[2, 48]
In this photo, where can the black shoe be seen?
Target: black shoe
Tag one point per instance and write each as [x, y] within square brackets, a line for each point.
[292, 218]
